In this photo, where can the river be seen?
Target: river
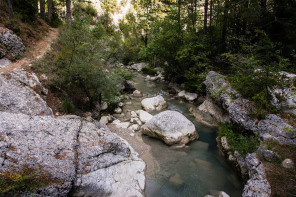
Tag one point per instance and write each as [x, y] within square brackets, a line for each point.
[196, 170]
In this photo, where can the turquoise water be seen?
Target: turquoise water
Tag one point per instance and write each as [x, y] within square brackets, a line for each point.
[193, 171]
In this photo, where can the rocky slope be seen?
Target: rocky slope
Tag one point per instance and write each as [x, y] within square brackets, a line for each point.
[79, 156]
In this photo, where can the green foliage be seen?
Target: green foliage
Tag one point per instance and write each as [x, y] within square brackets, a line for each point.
[149, 71]
[76, 68]
[238, 141]
[125, 74]
[87, 8]
[11, 24]
[14, 182]
[256, 68]
[67, 105]
[55, 20]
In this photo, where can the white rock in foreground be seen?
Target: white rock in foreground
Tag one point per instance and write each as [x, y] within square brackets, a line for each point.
[155, 103]
[172, 127]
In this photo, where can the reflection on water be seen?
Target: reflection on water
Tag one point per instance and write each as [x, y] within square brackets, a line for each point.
[192, 171]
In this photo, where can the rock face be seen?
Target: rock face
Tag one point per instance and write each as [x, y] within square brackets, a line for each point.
[10, 44]
[40, 141]
[107, 165]
[77, 155]
[273, 127]
[219, 89]
[289, 105]
[209, 113]
[155, 103]
[171, 127]
[20, 93]
[237, 108]
[257, 185]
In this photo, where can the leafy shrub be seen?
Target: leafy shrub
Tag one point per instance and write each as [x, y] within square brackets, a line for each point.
[238, 141]
[149, 71]
[75, 66]
[87, 8]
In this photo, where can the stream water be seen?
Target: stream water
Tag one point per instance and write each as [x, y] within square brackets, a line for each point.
[193, 171]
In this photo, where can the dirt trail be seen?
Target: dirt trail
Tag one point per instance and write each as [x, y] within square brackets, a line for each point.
[37, 50]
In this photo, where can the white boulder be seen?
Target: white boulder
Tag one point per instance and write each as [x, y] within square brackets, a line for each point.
[155, 103]
[172, 127]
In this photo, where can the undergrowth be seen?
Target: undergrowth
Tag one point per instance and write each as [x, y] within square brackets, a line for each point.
[244, 143]
[149, 71]
[27, 180]
[282, 180]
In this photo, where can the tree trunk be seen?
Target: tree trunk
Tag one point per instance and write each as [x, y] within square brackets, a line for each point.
[224, 25]
[206, 16]
[211, 11]
[179, 16]
[68, 5]
[49, 9]
[42, 8]
[11, 15]
[262, 13]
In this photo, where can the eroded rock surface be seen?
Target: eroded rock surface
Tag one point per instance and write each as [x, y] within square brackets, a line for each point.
[20, 93]
[41, 142]
[209, 113]
[275, 128]
[172, 127]
[79, 156]
[257, 185]
[10, 44]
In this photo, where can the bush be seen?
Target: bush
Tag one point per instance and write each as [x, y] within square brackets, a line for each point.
[125, 74]
[87, 8]
[238, 141]
[149, 71]
[67, 105]
[75, 67]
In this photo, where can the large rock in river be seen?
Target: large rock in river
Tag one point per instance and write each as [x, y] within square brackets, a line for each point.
[172, 127]
[155, 103]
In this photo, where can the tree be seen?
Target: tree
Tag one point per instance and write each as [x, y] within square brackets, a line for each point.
[68, 5]
[49, 9]
[11, 15]
[206, 16]
[42, 8]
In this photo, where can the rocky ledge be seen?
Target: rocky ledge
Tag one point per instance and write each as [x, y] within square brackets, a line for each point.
[79, 157]
[224, 104]
[238, 109]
